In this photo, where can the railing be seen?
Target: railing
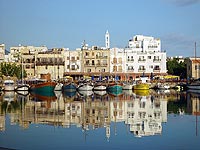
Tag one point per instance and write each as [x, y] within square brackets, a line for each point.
[50, 63]
[141, 60]
[156, 70]
[141, 70]
[156, 60]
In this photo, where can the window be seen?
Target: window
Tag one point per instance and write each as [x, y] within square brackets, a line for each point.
[114, 60]
[114, 68]
[120, 60]
[149, 57]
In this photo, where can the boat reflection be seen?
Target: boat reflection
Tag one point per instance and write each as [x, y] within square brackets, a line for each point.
[143, 111]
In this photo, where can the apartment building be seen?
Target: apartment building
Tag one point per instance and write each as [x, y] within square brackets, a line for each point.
[95, 60]
[144, 56]
[2, 52]
[193, 68]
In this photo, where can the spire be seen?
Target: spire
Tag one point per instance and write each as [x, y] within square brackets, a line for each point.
[107, 40]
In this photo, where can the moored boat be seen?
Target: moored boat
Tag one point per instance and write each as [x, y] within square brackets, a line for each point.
[85, 87]
[70, 87]
[115, 87]
[100, 86]
[41, 86]
[9, 85]
[22, 87]
[142, 84]
[58, 87]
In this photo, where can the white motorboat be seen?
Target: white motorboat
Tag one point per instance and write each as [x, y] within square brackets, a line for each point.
[9, 85]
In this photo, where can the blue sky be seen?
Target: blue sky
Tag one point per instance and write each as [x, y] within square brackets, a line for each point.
[67, 23]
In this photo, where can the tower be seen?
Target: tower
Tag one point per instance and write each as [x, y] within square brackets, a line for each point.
[107, 40]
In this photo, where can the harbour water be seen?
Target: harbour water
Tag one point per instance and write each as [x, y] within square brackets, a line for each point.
[100, 120]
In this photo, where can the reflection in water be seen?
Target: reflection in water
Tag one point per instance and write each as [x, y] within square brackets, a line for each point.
[142, 111]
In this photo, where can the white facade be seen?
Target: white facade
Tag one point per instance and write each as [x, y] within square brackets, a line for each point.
[2, 52]
[117, 60]
[17, 50]
[72, 60]
[144, 55]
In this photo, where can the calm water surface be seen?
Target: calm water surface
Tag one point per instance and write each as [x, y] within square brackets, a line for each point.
[130, 120]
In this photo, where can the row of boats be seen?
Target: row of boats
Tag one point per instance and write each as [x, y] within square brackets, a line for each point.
[41, 85]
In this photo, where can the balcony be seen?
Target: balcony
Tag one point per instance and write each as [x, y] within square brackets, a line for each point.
[101, 57]
[141, 60]
[101, 65]
[130, 60]
[156, 70]
[89, 57]
[156, 60]
[49, 63]
[141, 70]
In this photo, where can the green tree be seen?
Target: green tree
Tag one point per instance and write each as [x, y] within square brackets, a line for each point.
[177, 68]
[12, 70]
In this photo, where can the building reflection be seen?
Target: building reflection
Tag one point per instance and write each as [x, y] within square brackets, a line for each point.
[143, 112]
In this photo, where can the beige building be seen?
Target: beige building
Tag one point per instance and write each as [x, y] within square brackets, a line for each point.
[95, 60]
[2, 52]
[26, 56]
[50, 62]
[73, 62]
[193, 68]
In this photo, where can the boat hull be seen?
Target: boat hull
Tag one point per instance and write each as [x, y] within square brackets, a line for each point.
[127, 87]
[43, 87]
[114, 88]
[58, 87]
[9, 85]
[100, 88]
[85, 87]
[70, 87]
[142, 86]
[22, 87]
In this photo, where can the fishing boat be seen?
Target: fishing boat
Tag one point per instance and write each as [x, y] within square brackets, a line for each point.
[85, 85]
[115, 87]
[100, 86]
[58, 87]
[69, 87]
[9, 85]
[21, 85]
[101, 93]
[42, 86]
[142, 84]
[163, 86]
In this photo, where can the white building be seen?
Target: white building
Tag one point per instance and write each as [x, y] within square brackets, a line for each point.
[2, 52]
[73, 61]
[16, 51]
[117, 60]
[144, 56]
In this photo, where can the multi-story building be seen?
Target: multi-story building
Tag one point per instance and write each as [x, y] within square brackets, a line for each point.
[50, 62]
[95, 60]
[2, 52]
[117, 62]
[193, 68]
[73, 62]
[144, 56]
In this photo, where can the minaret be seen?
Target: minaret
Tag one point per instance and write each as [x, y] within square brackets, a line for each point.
[107, 40]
